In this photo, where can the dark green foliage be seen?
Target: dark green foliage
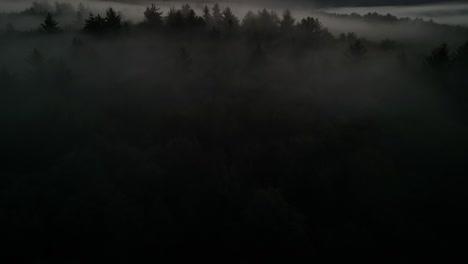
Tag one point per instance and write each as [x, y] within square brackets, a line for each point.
[50, 26]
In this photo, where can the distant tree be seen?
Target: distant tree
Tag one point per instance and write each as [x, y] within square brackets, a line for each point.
[113, 21]
[207, 16]
[351, 37]
[229, 21]
[439, 58]
[217, 16]
[185, 10]
[263, 25]
[94, 24]
[356, 50]
[152, 17]
[311, 25]
[39, 9]
[287, 23]
[194, 21]
[175, 19]
[312, 33]
[50, 25]
[460, 58]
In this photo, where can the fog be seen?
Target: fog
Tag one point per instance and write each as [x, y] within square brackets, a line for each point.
[136, 136]
[450, 14]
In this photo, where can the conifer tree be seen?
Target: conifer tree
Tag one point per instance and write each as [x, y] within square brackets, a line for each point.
[288, 21]
[113, 21]
[357, 50]
[153, 17]
[217, 16]
[50, 25]
[207, 15]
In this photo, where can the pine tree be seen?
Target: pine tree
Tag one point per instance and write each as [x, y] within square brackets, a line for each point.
[94, 24]
[229, 20]
[185, 10]
[113, 21]
[357, 50]
[50, 25]
[153, 17]
[207, 15]
[439, 59]
[217, 16]
[288, 21]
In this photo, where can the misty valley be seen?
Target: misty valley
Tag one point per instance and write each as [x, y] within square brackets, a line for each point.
[202, 132]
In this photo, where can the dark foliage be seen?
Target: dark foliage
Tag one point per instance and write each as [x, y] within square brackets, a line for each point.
[110, 24]
[153, 18]
[50, 26]
[203, 138]
[357, 50]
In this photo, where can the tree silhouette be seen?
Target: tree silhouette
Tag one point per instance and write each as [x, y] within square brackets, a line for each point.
[94, 24]
[217, 16]
[439, 58]
[113, 21]
[152, 18]
[460, 58]
[351, 37]
[185, 10]
[50, 25]
[207, 16]
[356, 50]
[287, 23]
[311, 26]
[194, 21]
[175, 19]
[229, 21]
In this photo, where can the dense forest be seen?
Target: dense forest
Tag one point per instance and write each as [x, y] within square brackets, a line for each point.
[222, 139]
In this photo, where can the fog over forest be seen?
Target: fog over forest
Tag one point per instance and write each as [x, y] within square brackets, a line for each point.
[233, 132]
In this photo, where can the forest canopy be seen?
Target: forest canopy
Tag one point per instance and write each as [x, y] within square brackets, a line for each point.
[207, 136]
